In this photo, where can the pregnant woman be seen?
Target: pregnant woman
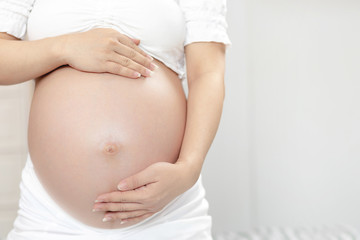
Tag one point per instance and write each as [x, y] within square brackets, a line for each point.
[115, 148]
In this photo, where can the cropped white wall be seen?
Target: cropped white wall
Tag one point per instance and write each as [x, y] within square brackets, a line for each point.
[293, 89]
[305, 111]
[14, 107]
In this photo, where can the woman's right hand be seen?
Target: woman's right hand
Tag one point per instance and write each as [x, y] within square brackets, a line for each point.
[106, 50]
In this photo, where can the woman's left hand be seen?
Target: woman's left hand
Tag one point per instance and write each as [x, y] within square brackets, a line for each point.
[146, 192]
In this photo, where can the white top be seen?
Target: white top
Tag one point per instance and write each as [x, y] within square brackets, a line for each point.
[164, 27]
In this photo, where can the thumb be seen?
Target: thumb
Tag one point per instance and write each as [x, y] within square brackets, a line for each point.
[135, 181]
[136, 41]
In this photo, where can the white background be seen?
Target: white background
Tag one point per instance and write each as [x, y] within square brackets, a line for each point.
[288, 148]
[287, 152]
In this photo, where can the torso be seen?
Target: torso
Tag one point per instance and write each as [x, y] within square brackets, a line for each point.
[88, 131]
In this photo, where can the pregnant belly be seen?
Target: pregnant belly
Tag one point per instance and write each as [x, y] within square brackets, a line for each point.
[88, 131]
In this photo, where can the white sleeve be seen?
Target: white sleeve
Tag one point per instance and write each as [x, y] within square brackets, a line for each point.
[14, 15]
[205, 21]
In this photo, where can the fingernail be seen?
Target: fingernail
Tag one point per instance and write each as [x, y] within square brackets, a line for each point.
[136, 74]
[153, 66]
[149, 73]
[122, 186]
[99, 200]
[123, 221]
[96, 210]
[107, 219]
[150, 57]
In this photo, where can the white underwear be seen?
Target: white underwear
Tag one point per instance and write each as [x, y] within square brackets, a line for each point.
[40, 218]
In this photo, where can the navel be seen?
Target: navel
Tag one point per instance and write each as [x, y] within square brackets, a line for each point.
[111, 148]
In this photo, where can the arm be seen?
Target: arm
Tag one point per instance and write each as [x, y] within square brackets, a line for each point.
[205, 64]
[96, 50]
[160, 183]
[33, 58]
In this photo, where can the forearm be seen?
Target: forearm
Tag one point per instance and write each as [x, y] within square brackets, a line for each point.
[205, 102]
[21, 61]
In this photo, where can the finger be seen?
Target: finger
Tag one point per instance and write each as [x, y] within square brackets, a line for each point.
[129, 63]
[116, 68]
[128, 42]
[132, 54]
[136, 219]
[122, 197]
[117, 207]
[138, 180]
[124, 215]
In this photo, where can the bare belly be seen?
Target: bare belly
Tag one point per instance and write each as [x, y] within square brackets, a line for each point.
[88, 131]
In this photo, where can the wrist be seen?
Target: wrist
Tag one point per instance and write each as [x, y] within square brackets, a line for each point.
[59, 49]
[191, 170]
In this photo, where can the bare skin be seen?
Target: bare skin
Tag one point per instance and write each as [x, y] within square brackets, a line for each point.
[88, 131]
